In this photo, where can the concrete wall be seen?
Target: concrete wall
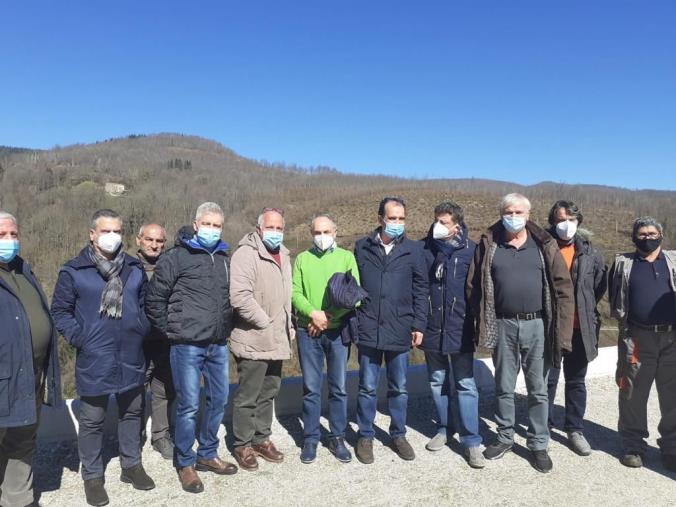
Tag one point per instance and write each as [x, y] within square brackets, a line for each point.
[58, 425]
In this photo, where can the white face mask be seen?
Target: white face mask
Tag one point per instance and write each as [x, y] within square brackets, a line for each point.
[566, 229]
[440, 231]
[109, 242]
[323, 241]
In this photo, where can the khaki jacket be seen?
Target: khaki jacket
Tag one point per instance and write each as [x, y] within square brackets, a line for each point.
[260, 293]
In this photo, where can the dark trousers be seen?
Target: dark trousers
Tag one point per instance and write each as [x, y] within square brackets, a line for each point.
[90, 436]
[161, 386]
[645, 357]
[17, 446]
[259, 383]
[574, 372]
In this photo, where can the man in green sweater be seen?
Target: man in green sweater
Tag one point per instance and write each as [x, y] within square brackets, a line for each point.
[319, 336]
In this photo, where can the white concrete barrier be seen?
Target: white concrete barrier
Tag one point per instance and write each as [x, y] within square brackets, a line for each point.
[61, 424]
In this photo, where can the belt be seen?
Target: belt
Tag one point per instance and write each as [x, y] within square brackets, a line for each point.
[656, 328]
[521, 316]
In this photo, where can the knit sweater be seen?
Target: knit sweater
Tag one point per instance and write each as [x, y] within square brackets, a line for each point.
[311, 273]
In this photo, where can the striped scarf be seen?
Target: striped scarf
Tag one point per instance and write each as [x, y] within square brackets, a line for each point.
[111, 297]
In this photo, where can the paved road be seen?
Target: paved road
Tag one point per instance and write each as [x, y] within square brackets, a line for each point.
[441, 478]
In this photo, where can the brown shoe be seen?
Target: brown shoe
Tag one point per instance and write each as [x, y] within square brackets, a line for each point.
[246, 458]
[216, 465]
[268, 452]
[189, 479]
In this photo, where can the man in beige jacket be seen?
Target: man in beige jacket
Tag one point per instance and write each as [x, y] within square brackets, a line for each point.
[260, 293]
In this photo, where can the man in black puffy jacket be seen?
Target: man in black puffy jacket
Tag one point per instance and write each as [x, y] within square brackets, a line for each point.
[188, 300]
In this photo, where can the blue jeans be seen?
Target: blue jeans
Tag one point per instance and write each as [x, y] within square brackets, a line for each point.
[396, 364]
[190, 363]
[442, 369]
[311, 352]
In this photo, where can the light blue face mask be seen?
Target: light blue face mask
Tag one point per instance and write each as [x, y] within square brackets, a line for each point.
[394, 231]
[208, 237]
[9, 248]
[513, 224]
[273, 239]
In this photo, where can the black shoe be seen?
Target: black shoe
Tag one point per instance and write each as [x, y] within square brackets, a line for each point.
[309, 453]
[669, 462]
[95, 492]
[632, 460]
[497, 450]
[364, 450]
[137, 477]
[164, 447]
[542, 462]
[337, 447]
[403, 448]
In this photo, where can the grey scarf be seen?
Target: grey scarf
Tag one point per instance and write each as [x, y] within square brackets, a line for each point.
[111, 297]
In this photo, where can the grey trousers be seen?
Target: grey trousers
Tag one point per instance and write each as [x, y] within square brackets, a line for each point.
[159, 380]
[17, 446]
[90, 436]
[259, 383]
[521, 344]
[645, 357]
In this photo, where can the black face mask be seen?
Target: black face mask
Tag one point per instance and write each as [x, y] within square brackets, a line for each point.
[648, 245]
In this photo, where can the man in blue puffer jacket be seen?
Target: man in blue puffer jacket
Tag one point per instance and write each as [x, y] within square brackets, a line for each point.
[449, 339]
[392, 270]
[98, 307]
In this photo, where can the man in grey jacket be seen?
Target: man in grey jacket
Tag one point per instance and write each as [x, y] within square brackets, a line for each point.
[642, 293]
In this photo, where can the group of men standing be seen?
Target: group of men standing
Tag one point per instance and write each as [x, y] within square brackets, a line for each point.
[168, 320]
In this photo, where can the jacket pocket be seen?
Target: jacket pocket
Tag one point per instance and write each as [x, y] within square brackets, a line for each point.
[4, 387]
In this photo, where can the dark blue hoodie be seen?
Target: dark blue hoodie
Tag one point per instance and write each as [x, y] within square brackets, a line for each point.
[449, 323]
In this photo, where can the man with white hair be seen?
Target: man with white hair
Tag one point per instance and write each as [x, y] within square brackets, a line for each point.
[188, 300]
[642, 295]
[523, 302]
[29, 366]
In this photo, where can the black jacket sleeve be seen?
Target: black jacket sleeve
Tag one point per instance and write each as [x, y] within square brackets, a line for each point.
[159, 289]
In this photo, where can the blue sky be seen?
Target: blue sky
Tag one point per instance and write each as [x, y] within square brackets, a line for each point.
[577, 91]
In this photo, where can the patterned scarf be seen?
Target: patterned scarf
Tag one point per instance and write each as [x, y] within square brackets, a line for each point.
[111, 297]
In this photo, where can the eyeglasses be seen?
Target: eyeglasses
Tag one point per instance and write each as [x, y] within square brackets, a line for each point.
[651, 235]
[276, 210]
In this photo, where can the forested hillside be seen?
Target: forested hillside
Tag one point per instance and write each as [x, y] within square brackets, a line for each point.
[54, 192]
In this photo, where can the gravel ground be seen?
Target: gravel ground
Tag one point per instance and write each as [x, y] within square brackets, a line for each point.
[433, 478]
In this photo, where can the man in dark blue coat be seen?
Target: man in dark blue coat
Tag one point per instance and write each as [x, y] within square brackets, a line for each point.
[29, 366]
[98, 306]
[449, 338]
[392, 270]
